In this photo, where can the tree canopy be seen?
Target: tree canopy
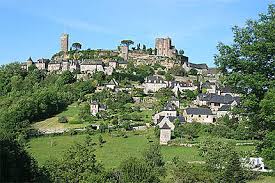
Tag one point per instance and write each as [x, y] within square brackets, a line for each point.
[249, 68]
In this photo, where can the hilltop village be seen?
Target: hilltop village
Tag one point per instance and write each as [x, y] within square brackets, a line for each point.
[188, 92]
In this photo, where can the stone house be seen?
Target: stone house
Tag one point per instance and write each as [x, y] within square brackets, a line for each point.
[91, 66]
[224, 110]
[201, 115]
[168, 110]
[175, 101]
[215, 101]
[165, 134]
[112, 84]
[122, 64]
[209, 86]
[42, 64]
[113, 64]
[95, 108]
[153, 84]
[54, 66]
[179, 86]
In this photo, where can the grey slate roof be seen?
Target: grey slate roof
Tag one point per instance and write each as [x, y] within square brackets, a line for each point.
[154, 79]
[225, 108]
[198, 66]
[30, 59]
[214, 98]
[165, 126]
[169, 107]
[198, 111]
[173, 118]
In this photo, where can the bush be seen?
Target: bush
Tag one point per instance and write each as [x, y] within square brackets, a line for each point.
[62, 119]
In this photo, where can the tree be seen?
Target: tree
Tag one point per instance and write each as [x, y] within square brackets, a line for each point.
[233, 172]
[193, 72]
[76, 46]
[248, 66]
[136, 170]
[62, 119]
[77, 165]
[100, 140]
[222, 160]
[153, 156]
[144, 47]
[138, 46]
[267, 149]
[16, 165]
[181, 52]
[127, 42]
[150, 51]
[168, 77]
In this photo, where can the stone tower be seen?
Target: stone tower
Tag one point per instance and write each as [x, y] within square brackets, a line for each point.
[165, 134]
[164, 47]
[64, 40]
[124, 52]
[29, 63]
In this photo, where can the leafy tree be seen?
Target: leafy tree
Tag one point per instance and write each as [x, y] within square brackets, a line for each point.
[62, 119]
[181, 52]
[127, 42]
[180, 171]
[248, 65]
[77, 165]
[100, 140]
[267, 149]
[16, 165]
[136, 170]
[76, 46]
[144, 47]
[150, 51]
[138, 46]
[193, 72]
[168, 77]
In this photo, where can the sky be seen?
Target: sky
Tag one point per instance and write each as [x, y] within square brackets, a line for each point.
[33, 27]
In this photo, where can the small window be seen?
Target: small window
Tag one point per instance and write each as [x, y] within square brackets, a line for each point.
[199, 116]
[192, 115]
[207, 116]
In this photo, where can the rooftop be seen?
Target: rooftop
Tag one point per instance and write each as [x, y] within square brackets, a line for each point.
[198, 111]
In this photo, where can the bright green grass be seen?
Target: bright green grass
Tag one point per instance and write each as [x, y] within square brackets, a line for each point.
[115, 150]
[264, 179]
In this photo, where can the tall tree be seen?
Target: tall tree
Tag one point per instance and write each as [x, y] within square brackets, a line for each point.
[248, 65]
[76, 46]
[127, 42]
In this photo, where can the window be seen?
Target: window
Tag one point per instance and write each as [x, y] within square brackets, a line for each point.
[207, 116]
[192, 115]
[199, 116]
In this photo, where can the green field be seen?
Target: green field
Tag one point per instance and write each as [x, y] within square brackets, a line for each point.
[264, 179]
[115, 150]
[52, 123]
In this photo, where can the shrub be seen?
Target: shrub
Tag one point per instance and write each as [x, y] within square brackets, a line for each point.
[62, 119]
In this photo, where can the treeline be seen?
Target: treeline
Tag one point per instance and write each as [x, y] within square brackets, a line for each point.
[30, 96]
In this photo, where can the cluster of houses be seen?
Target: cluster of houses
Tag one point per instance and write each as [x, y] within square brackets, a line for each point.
[86, 66]
[206, 108]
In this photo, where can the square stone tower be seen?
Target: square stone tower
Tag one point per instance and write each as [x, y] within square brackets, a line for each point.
[164, 47]
[64, 42]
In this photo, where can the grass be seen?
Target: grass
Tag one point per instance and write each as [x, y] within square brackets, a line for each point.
[52, 123]
[115, 150]
[264, 179]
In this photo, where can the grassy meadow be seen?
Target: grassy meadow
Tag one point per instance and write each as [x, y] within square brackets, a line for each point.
[115, 149]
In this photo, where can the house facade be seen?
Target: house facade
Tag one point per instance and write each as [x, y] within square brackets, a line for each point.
[201, 115]
[153, 84]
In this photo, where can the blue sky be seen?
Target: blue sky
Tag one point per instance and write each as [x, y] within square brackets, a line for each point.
[33, 27]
